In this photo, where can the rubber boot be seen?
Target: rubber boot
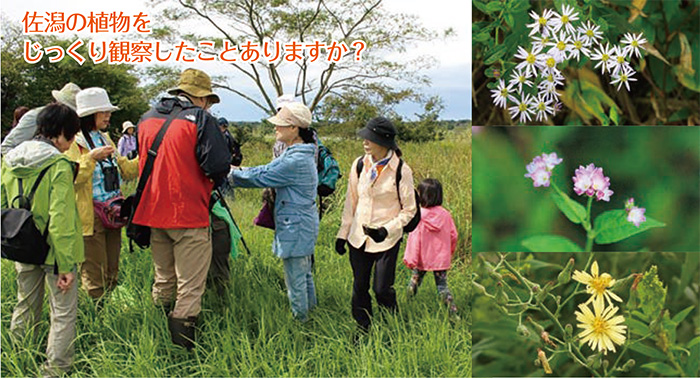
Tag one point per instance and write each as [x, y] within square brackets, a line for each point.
[182, 331]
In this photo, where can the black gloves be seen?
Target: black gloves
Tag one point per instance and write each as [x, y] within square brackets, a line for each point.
[340, 246]
[377, 234]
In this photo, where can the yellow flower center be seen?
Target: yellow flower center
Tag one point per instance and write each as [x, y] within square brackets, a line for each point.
[600, 326]
[561, 45]
[623, 77]
[635, 44]
[522, 107]
[578, 45]
[550, 78]
[605, 57]
[620, 59]
[545, 40]
[551, 62]
[541, 106]
[564, 19]
[530, 58]
[600, 283]
[543, 21]
[504, 92]
[589, 32]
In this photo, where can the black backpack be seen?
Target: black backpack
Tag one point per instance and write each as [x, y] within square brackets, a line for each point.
[413, 223]
[21, 239]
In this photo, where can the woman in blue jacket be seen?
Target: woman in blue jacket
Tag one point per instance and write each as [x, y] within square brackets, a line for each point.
[294, 177]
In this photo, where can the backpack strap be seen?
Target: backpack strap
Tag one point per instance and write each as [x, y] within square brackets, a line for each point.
[360, 165]
[398, 180]
[152, 153]
[30, 196]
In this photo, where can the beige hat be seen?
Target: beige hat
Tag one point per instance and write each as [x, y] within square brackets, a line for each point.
[93, 100]
[66, 95]
[284, 100]
[126, 125]
[292, 114]
[195, 83]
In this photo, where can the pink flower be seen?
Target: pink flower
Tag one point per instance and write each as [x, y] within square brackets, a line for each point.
[591, 181]
[540, 169]
[635, 215]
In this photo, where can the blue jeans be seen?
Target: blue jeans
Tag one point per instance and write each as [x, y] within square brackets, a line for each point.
[300, 285]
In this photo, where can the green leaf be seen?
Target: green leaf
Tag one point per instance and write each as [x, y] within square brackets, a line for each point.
[614, 116]
[678, 318]
[550, 243]
[482, 36]
[661, 368]
[691, 366]
[637, 327]
[612, 226]
[652, 293]
[694, 342]
[648, 351]
[494, 6]
[573, 210]
[496, 54]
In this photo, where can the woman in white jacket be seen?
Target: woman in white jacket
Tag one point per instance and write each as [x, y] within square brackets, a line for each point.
[374, 217]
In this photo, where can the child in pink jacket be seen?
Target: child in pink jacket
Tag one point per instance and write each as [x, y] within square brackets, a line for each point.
[431, 245]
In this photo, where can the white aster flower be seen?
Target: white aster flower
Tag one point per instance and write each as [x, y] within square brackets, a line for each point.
[501, 94]
[565, 19]
[624, 76]
[578, 47]
[548, 65]
[519, 78]
[542, 24]
[619, 61]
[540, 41]
[529, 59]
[543, 106]
[590, 33]
[633, 43]
[604, 56]
[523, 107]
[561, 45]
[550, 81]
[550, 93]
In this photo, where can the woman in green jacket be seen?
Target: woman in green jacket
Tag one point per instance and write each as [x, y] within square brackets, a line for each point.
[54, 210]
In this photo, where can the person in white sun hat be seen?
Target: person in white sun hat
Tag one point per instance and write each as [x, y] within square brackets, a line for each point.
[98, 181]
[127, 143]
[26, 128]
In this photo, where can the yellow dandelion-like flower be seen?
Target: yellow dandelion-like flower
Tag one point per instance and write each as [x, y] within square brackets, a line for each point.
[601, 328]
[597, 285]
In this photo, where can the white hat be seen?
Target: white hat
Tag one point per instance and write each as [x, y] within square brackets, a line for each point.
[126, 125]
[66, 95]
[93, 100]
[283, 100]
[292, 114]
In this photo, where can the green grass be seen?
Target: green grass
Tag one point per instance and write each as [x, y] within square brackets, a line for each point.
[255, 334]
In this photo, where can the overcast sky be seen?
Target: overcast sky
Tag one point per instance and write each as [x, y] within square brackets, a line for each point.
[451, 77]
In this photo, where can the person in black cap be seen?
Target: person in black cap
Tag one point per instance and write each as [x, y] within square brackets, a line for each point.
[374, 217]
[233, 146]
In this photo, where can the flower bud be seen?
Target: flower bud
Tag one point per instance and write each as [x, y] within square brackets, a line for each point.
[594, 360]
[538, 327]
[545, 337]
[523, 331]
[606, 363]
[542, 294]
[492, 273]
[628, 365]
[544, 361]
[569, 330]
[565, 275]
[501, 296]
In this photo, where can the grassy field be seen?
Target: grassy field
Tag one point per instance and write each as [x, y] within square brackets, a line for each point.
[255, 335]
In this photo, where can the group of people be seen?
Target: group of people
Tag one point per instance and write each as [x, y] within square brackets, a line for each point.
[185, 156]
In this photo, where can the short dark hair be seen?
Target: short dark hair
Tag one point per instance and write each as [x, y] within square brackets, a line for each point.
[307, 135]
[430, 192]
[56, 119]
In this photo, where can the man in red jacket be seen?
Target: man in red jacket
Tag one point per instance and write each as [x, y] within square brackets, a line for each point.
[193, 157]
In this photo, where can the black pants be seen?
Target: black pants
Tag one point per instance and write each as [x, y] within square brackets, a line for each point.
[383, 284]
[220, 269]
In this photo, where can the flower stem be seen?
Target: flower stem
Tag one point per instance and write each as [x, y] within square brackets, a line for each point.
[590, 233]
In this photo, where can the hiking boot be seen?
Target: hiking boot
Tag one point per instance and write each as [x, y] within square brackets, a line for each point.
[182, 331]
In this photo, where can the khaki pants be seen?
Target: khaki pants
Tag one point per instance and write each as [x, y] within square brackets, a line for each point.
[32, 281]
[101, 267]
[181, 258]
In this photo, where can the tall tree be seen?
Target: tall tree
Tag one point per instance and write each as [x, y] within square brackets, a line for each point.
[380, 72]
